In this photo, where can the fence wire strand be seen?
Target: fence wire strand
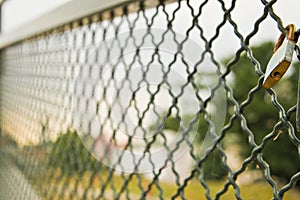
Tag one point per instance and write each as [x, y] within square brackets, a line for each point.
[135, 102]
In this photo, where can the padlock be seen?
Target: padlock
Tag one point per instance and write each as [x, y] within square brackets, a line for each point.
[281, 58]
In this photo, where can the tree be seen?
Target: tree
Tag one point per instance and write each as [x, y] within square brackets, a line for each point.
[212, 166]
[262, 115]
[71, 156]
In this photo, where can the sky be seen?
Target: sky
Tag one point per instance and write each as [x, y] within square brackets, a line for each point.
[19, 12]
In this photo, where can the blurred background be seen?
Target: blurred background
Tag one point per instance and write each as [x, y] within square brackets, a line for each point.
[59, 139]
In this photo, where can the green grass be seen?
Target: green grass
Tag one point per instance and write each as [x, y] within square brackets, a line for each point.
[63, 185]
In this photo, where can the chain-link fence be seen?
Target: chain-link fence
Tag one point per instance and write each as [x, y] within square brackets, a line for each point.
[144, 101]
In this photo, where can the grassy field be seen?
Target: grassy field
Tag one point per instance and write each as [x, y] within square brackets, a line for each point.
[88, 186]
[52, 183]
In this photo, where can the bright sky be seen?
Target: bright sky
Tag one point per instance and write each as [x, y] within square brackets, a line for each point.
[246, 12]
[19, 12]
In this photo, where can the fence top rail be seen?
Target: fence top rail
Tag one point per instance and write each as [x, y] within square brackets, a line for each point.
[68, 12]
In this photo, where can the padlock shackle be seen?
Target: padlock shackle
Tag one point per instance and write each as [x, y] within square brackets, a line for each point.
[290, 36]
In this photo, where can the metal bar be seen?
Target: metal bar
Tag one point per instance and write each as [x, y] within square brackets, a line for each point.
[1, 17]
[298, 106]
[68, 12]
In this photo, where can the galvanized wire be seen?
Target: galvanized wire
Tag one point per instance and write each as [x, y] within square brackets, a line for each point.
[62, 99]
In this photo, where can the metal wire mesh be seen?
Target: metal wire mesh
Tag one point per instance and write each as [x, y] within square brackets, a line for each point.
[120, 105]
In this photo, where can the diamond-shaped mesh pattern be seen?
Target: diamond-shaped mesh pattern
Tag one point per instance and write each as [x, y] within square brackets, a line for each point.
[137, 102]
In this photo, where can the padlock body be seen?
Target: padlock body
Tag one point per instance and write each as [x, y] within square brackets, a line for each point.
[279, 63]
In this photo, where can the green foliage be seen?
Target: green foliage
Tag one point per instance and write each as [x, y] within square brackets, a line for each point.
[201, 130]
[213, 167]
[262, 115]
[172, 123]
[71, 156]
[283, 161]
